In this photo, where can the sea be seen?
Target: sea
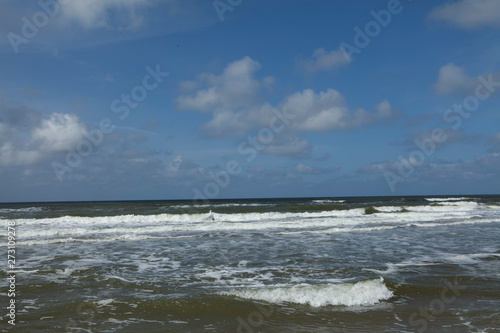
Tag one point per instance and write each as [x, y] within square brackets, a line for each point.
[355, 264]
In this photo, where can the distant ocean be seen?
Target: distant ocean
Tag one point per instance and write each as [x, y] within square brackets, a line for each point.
[372, 264]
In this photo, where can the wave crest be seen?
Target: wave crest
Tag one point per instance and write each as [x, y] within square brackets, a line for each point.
[366, 292]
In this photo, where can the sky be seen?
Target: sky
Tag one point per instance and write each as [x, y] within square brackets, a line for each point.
[191, 99]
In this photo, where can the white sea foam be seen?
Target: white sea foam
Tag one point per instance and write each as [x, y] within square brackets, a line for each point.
[366, 292]
[328, 201]
[22, 210]
[444, 209]
[105, 302]
[321, 226]
[436, 259]
[446, 199]
[224, 205]
[189, 218]
[389, 209]
[135, 227]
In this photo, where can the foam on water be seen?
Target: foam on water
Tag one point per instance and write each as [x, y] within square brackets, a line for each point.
[463, 207]
[328, 201]
[446, 199]
[366, 292]
[33, 231]
[21, 210]
[184, 269]
[225, 205]
[436, 259]
[448, 205]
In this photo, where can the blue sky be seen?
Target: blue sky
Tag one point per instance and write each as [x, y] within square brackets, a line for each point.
[149, 99]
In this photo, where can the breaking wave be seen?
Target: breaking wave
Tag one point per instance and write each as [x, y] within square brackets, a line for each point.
[366, 292]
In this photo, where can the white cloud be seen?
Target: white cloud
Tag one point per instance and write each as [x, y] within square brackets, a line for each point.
[310, 170]
[469, 14]
[328, 111]
[319, 112]
[302, 168]
[322, 60]
[309, 112]
[452, 79]
[92, 14]
[480, 168]
[293, 147]
[61, 132]
[384, 109]
[12, 156]
[227, 123]
[379, 168]
[233, 98]
[234, 88]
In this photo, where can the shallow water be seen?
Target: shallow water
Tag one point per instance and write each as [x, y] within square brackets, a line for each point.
[407, 264]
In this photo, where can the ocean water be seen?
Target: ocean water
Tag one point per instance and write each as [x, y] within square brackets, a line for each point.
[377, 264]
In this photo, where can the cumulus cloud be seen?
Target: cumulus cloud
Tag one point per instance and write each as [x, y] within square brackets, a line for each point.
[453, 79]
[322, 60]
[31, 142]
[61, 132]
[26, 138]
[328, 111]
[237, 89]
[469, 14]
[233, 98]
[234, 88]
